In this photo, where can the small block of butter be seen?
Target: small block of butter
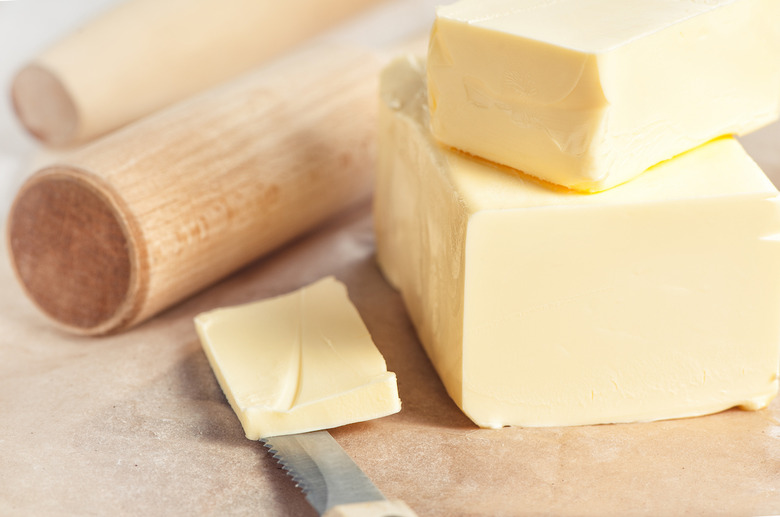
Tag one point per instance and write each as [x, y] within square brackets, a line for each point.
[540, 306]
[589, 93]
[299, 362]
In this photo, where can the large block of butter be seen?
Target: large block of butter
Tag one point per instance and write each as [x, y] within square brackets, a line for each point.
[299, 362]
[590, 93]
[543, 307]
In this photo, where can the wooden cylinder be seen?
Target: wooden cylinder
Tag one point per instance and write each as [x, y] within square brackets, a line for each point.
[146, 54]
[154, 212]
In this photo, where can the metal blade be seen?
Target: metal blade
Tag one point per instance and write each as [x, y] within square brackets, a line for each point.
[321, 468]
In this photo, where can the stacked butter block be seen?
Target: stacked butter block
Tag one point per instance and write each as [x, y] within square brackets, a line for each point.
[588, 94]
[576, 237]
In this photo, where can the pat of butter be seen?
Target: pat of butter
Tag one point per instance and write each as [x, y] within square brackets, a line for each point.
[590, 93]
[540, 306]
[299, 362]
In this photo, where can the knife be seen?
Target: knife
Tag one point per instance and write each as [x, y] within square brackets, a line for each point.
[332, 483]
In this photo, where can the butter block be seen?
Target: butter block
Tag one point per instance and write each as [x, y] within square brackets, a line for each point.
[589, 93]
[540, 306]
[299, 362]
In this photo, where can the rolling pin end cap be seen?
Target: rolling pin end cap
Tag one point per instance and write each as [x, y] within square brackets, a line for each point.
[72, 253]
[44, 106]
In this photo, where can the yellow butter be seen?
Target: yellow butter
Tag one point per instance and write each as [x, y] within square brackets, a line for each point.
[540, 306]
[590, 93]
[299, 362]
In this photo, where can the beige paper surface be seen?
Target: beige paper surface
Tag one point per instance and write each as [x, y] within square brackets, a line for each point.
[135, 424]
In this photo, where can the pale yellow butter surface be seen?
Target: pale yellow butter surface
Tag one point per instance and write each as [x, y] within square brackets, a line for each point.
[539, 306]
[299, 362]
[589, 93]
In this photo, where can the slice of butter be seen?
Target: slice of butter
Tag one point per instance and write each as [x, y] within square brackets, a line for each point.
[540, 306]
[299, 362]
[590, 93]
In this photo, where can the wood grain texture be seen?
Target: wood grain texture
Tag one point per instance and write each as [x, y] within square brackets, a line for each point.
[146, 54]
[140, 219]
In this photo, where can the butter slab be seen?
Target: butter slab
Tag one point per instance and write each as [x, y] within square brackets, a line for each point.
[299, 362]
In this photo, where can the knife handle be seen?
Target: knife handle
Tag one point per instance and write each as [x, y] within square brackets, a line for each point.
[384, 508]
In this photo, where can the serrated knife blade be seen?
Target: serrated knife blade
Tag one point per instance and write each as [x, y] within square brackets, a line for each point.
[332, 483]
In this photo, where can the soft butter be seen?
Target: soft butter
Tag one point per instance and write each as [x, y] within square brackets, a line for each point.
[299, 362]
[540, 306]
[590, 93]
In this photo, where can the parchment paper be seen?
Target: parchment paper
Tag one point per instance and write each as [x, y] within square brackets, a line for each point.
[135, 424]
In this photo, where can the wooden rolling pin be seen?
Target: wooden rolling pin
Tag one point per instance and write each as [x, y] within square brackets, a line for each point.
[147, 215]
[146, 54]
